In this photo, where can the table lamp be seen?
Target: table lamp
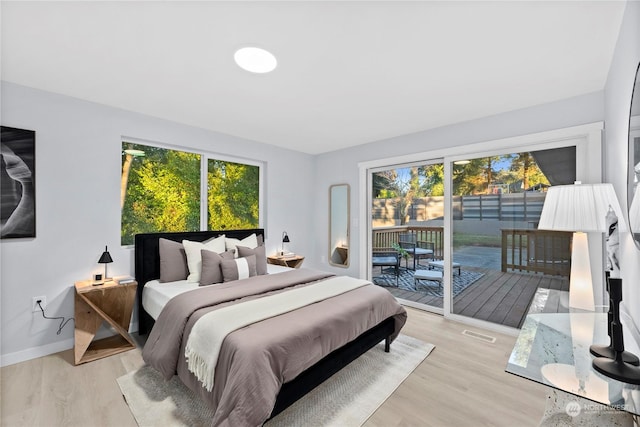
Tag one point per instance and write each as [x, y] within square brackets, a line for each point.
[580, 208]
[285, 239]
[105, 259]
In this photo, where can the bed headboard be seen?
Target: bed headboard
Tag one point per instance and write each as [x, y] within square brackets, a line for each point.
[147, 259]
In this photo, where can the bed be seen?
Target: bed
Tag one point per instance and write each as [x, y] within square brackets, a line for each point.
[291, 384]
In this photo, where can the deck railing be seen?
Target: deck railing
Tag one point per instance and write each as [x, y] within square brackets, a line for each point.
[528, 250]
[540, 251]
[384, 238]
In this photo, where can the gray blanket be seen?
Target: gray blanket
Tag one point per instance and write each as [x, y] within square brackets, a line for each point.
[256, 360]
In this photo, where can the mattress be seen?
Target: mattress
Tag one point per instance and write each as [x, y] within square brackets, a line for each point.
[157, 294]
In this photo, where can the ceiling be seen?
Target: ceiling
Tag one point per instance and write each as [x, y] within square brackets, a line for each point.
[348, 72]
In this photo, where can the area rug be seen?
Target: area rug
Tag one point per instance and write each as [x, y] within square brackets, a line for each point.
[346, 399]
[429, 287]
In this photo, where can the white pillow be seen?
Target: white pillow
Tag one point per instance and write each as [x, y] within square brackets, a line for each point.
[194, 256]
[250, 242]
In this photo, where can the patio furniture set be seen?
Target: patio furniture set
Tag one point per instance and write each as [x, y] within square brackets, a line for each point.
[409, 246]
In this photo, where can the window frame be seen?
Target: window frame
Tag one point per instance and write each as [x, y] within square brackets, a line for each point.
[205, 156]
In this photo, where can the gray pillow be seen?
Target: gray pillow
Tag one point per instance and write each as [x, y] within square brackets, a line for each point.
[173, 261]
[238, 268]
[261, 257]
[211, 272]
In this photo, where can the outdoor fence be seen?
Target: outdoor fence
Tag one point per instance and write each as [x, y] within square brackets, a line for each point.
[525, 206]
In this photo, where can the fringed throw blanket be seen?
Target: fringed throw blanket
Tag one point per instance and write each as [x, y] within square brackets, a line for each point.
[205, 339]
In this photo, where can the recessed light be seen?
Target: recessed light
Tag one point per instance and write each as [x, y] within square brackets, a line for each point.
[255, 60]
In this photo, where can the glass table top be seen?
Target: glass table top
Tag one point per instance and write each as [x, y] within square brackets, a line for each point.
[553, 349]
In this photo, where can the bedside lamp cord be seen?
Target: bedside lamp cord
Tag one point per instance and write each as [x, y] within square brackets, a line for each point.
[63, 322]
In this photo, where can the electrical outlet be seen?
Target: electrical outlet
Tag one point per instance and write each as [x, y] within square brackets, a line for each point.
[34, 304]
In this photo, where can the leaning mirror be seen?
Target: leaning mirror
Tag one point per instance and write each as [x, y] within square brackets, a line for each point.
[634, 160]
[339, 225]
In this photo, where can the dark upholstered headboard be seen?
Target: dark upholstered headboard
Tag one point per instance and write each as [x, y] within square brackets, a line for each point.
[147, 259]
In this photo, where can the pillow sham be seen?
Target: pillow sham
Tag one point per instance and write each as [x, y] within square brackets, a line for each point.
[194, 257]
[261, 257]
[211, 272]
[249, 242]
[173, 261]
[238, 268]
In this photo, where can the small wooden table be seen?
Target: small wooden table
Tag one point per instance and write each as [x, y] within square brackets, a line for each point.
[294, 261]
[109, 302]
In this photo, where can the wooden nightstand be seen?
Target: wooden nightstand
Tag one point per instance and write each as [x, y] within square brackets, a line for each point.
[294, 261]
[109, 302]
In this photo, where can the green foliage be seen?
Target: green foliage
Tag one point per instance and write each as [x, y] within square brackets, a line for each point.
[401, 251]
[234, 192]
[161, 192]
[433, 184]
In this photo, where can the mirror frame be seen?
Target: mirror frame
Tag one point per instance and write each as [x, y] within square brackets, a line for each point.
[339, 238]
[633, 190]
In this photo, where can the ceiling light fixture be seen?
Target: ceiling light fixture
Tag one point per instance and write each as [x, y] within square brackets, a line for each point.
[255, 60]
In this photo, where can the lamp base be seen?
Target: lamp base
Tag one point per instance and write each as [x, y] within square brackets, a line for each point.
[617, 370]
[609, 353]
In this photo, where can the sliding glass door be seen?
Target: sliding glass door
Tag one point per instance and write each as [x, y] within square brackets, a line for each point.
[500, 259]
[407, 213]
[497, 259]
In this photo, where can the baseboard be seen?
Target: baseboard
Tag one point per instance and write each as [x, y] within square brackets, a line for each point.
[35, 352]
[47, 349]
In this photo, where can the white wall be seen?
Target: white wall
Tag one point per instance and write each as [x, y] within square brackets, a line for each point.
[618, 91]
[78, 161]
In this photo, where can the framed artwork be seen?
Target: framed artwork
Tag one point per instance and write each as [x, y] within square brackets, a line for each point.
[17, 183]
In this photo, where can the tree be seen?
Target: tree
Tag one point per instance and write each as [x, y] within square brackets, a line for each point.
[162, 191]
[526, 169]
[383, 184]
[433, 184]
[233, 195]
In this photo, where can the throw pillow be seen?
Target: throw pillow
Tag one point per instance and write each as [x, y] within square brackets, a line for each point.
[173, 261]
[249, 242]
[211, 272]
[194, 257]
[261, 257]
[239, 268]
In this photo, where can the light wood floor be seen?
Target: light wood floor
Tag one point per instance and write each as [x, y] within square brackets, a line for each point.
[462, 383]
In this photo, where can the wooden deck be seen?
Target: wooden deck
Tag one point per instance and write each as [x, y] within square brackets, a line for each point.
[497, 297]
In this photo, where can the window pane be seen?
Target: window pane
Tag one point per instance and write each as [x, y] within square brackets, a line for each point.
[233, 196]
[160, 191]
[407, 224]
[500, 258]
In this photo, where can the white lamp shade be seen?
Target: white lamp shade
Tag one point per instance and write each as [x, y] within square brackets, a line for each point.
[580, 207]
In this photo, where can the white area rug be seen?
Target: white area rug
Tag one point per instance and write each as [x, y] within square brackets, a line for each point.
[346, 399]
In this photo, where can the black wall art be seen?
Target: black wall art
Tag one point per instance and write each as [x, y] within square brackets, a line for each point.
[17, 183]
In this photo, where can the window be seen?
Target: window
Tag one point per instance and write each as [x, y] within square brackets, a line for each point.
[233, 199]
[161, 190]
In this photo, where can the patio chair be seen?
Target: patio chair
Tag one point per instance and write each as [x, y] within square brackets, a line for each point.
[416, 248]
[384, 259]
